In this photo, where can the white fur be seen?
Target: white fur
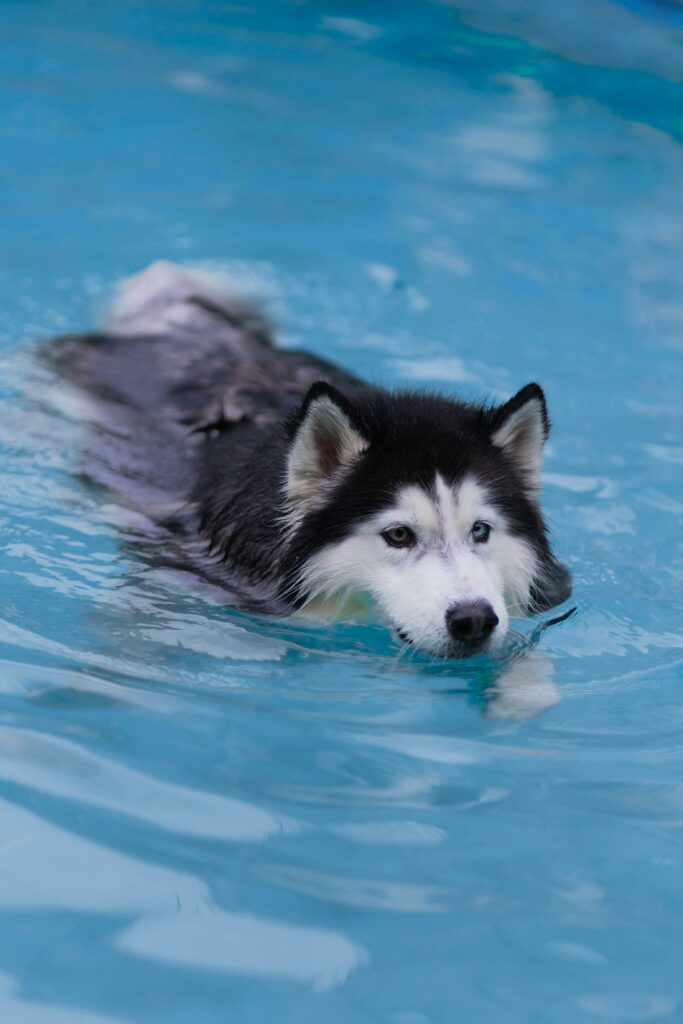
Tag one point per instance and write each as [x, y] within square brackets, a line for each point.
[159, 298]
[325, 447]
[415, 587]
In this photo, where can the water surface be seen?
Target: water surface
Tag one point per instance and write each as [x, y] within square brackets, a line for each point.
[206, 816]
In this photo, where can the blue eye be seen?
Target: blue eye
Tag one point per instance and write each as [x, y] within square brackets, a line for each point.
[480, 532]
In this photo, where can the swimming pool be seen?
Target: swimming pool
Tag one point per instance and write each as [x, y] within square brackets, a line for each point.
[209, 817]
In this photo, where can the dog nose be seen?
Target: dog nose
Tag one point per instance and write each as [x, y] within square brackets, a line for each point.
[471, 622]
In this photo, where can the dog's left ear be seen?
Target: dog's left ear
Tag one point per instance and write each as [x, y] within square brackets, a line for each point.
[327, 442]
[520, 427]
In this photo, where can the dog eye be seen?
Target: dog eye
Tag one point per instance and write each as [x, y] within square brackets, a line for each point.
[399, 537]
[480, 532]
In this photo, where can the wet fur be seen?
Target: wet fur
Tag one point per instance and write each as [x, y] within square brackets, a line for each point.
[198, 413]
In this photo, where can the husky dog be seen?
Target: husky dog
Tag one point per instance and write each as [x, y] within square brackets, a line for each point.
[293, 484]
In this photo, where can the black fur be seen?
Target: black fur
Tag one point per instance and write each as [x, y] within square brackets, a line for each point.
[411, 436]
[194, 429]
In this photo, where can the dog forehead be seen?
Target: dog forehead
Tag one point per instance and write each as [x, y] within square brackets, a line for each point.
[442, 507]
[417, 505]
[461, 504]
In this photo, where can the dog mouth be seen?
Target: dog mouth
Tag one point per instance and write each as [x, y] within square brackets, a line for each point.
[464, 650]
[448, 650]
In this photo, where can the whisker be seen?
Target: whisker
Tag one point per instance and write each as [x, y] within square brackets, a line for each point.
[404, 648]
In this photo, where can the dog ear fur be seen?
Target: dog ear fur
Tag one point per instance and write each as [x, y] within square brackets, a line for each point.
[327, 442]
[520, 428]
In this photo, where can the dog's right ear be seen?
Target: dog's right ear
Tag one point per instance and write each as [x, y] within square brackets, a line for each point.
[327, 441]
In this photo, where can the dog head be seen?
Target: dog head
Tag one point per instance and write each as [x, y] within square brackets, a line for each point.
[428, 505]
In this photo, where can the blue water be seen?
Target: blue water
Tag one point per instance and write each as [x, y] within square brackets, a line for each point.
[207, 817]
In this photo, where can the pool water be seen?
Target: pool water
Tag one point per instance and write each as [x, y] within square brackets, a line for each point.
[208, 817]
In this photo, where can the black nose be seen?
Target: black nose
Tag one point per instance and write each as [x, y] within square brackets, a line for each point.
[471, 622]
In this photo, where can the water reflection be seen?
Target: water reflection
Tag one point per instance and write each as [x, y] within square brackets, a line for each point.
[525, 688]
